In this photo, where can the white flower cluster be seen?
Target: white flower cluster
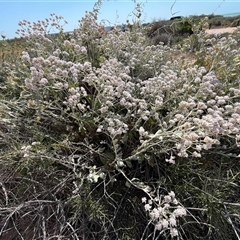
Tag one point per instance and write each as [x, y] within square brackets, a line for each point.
[26, 150]
[164, 211]
[41, 29]
[95, 174]
[114, 126]
[75, 95]
[140, 88]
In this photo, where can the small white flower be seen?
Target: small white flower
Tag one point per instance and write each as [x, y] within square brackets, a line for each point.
[171, 194]
[172, 221]
[43, 81]
[167, 199]
[196, 154]
[83, 50]
[77, 48]
[208, 140]
[147, 207]
[67, 43]
[100, 128]
[180, 211]
[155, 214]
[158, 226]
[165, 223]
[173, 232]
[171, 160]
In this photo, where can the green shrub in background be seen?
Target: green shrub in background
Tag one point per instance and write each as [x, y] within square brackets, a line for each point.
[106, 136]
[235, 23]
[171, 32]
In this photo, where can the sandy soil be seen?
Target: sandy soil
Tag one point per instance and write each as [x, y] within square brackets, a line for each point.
[220, 30]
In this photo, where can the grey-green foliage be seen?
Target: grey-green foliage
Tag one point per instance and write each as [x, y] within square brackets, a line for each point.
[120, 120]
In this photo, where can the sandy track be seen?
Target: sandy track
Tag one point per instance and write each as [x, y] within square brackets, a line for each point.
[221, 30]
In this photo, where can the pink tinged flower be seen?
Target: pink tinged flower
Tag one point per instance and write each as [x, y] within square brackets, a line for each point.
[193, 136]
[171, 160]
[208, 140]
[126, 94]
[47, 62]
[171, 122]
[56, 52]
[187, 143]
[33, 69]
[58, 85]
[179, 117]
[111, 123]
[83, 50]
[183, 153]
[109, 103]
[172, 221]
[196, 154]
[59, 71]
[81, 106]
[104, 109]
[144, 117]
[43, 81]
[180, 211]
[111, 130]
[83, 91]
[167, 199]
[166, 206]
[87, 65]
[229, 107]
[173, 232]
[221, 101]
[160, 210]
[159, 226]
[211, 102]
[207, 146]
[171, 194]
[141, 131]
[75, 77]
[147, 207]
[183, 104]
[59, 62]
[197, 80]
[29, 84]
[73, 41]
[155, 214]
[65, 73]
[77, 48]
[175, 201]
[100, 128]
[201, 105]
[25, 57]
[165, 223]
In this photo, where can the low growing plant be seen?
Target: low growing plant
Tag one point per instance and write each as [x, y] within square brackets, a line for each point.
[109, 137]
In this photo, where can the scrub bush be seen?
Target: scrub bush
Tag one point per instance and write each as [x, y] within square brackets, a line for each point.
[105, 136]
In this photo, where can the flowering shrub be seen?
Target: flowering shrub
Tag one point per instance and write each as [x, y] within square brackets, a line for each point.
[110, 118]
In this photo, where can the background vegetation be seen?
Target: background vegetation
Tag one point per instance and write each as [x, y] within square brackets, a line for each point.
[175, 30]
[118, 136]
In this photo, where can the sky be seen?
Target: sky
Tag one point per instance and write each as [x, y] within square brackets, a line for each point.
[111, 11]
